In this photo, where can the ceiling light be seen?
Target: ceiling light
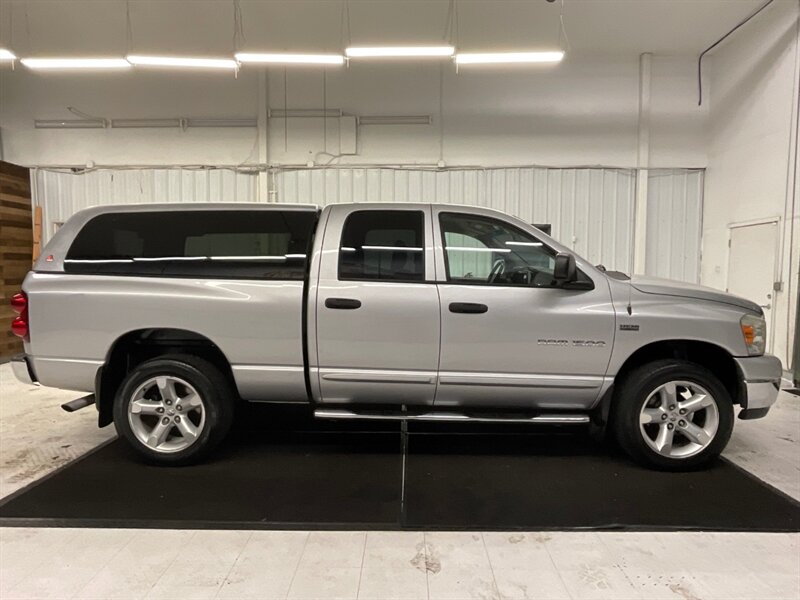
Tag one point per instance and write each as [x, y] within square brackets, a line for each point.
[280, 113]
[147, 123]
[395, 120]
[291, 59]
[400, 51]
[76, 63]
[177, 61]
[508, 57]
[69, 124]
[7, 54]
[221, 122]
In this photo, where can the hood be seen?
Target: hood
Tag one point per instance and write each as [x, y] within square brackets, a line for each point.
[667, 287]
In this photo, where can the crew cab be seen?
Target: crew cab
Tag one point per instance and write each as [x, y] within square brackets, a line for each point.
[168, 315]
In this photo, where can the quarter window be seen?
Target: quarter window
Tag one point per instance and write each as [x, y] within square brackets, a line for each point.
[228, 244]
[383, 245]
[482, 250]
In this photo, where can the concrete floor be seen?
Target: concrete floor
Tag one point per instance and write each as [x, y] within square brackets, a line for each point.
[120, 563]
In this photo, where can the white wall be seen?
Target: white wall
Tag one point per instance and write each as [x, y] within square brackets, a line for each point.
[581, 112]
[753, 104]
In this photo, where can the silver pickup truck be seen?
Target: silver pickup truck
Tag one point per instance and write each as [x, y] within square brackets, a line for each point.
[168, 315]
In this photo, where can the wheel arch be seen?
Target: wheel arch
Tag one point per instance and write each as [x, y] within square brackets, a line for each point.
[706, 354]
[139, 345]
[711, 356]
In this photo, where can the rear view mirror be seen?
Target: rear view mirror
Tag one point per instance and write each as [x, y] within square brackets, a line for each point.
[564, 270]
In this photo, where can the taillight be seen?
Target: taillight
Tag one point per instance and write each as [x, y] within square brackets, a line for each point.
[19, 326]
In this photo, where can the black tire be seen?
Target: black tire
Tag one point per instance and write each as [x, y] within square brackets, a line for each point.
[636, 387]
[218, 398]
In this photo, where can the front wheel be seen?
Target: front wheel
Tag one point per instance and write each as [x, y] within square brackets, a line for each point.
[672, 415]
[174, 410]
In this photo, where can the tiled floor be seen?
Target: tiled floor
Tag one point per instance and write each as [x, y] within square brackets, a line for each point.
[119, 563]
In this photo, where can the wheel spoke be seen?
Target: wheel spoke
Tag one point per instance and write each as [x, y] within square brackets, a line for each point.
[669, 394]
[159, 434]
[191, 401]
[695, 433]
[651, 415]
[187, 429]
[166, 386]
[145, 407]
[696, 402]
[664, 440]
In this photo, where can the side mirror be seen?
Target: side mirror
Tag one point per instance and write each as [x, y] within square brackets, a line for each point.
[565, 270]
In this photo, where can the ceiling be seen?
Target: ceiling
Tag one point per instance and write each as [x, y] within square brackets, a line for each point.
[206, 27]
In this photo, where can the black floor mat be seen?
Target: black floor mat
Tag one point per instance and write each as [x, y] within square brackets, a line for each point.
[287, 471]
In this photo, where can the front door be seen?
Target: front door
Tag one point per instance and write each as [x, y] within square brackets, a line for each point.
[510, 335]
[377, 317]
[751, 264]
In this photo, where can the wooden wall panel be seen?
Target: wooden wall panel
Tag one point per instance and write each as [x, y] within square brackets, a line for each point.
[16, 246]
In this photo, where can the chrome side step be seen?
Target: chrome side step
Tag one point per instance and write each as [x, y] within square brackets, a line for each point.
[545, 418]
[78, 403]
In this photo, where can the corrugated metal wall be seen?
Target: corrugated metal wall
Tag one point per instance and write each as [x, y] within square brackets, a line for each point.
[674, 223]
[62, 194]
[591, 210]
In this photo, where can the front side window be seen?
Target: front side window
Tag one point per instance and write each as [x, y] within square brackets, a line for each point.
[482, 250]
[204, 243]
[383, 245]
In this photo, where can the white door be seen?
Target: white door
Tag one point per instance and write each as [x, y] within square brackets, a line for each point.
[751, 264]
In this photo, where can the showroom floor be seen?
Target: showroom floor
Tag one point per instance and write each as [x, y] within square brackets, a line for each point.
[128, 563]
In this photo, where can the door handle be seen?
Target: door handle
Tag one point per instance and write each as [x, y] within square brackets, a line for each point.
[342, 303]
[470, 308]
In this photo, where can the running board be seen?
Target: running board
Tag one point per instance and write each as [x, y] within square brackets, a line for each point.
[553, 419]
[78, 403]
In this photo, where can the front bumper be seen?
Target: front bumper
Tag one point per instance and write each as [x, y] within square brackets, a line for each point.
[761, 382]
[22, 369]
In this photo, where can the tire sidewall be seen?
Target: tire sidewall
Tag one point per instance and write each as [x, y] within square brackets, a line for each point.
[212, 403]
[638, 388]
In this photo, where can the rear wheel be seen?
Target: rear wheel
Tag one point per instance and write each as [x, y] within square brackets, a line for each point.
[672, 415]
[174, 409]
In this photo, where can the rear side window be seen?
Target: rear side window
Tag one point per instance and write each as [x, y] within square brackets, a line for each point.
[220, 244]
[383, 245]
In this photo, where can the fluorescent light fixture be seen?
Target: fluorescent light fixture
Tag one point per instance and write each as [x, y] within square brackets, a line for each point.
[235, 122]
[7, 54]
[75, 63]
[144, 123]
[69, 124]
[290, 59]
[490, 58]
[536, 244]
[181, 122]
[399, 51]
[279, 113]
[471, 249]
[395, 120]
[179, 61]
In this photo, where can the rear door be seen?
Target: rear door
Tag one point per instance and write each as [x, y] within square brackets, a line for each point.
[377, 307]
[510, 336]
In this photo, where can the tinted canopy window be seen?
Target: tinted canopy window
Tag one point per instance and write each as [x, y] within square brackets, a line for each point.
[385, 245]
[228, 244]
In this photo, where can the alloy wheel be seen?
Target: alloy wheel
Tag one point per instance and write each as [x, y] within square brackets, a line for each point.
[166, 414]
[679, 419]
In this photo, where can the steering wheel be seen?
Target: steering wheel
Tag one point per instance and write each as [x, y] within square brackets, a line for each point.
[498, 268]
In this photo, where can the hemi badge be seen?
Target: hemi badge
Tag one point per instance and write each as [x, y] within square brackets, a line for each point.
[628, 327]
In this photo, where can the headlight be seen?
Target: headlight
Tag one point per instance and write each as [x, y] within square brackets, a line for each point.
[754, 330]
